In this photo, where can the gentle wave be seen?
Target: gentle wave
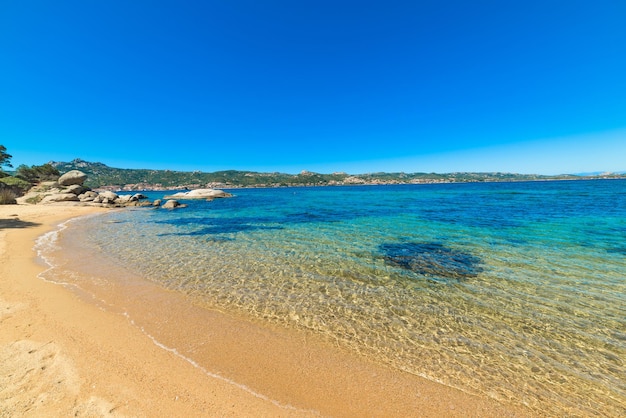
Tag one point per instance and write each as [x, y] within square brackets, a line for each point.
[47, 249]
[513, 291]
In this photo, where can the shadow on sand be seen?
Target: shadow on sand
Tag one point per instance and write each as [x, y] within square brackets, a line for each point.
[16, 223]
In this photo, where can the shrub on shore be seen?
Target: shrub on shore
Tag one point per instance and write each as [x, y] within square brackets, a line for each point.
[11, 188]
[7, 197]
[37, 173]
[16, 183]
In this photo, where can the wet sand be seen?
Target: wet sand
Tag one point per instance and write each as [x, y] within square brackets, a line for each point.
[64, 352]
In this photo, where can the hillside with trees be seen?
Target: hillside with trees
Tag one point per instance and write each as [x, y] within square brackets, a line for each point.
[101, 175]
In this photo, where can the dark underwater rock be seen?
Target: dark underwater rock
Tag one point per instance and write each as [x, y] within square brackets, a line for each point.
[620, 250]
[431, 259]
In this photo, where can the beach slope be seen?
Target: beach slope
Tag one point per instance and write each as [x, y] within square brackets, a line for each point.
[61, 355]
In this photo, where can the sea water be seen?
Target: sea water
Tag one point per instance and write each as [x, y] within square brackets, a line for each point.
[516, 291]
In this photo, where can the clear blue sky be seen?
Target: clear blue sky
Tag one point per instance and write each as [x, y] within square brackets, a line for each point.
[359, 86]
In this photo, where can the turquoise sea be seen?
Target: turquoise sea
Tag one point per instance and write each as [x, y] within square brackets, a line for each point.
[515, 291]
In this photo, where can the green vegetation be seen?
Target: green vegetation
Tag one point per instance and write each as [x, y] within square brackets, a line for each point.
[5, 158]
[16, 183]
[25, 177]
[7, 192]
[37, 173]
[34, 199]
[100, 175]
[7, 196]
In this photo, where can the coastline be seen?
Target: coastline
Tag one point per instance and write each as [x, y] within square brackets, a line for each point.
[138, 188]
[64, 355]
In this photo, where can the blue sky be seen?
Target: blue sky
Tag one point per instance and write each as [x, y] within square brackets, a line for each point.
[358, 86]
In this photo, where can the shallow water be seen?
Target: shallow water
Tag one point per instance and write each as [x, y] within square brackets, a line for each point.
[516, 291]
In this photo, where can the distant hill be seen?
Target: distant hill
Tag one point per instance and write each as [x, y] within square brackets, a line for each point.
[103, 176]
[601, 173]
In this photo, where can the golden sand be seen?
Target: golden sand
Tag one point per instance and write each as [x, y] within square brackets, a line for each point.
[61, 355]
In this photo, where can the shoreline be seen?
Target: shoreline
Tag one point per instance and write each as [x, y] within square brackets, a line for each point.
[116, 189]
[64, 354]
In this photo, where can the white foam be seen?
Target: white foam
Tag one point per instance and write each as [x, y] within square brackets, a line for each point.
[48, 242]
[216, 375]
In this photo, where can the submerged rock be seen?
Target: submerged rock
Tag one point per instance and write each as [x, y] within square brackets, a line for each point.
[619, 250]
[172, 204]
[431, 259]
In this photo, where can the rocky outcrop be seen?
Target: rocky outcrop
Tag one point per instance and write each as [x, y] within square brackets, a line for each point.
[69, 188]
[72, 177]
[73, 192]
[206, 194]
[60, 197]
[76, 189]
[110, 196]
[88, 196]
[173, 204]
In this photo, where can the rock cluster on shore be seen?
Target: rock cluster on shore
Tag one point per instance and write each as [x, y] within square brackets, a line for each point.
[69, 188]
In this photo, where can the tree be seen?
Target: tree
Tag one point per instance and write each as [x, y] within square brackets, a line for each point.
[36, 173]
[5, 158]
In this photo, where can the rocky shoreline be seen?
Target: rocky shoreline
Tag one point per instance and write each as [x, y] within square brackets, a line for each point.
[70, 189]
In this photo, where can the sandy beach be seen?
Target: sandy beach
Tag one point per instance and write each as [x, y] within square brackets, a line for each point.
[62, 355]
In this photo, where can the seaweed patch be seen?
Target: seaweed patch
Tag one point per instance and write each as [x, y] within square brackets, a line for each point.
[431, 259]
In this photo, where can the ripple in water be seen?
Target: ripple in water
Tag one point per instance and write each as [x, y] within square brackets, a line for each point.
[533, 307]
